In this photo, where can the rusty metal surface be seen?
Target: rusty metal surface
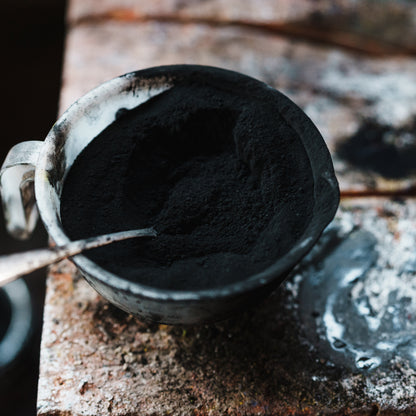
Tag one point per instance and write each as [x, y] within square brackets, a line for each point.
[98, 360]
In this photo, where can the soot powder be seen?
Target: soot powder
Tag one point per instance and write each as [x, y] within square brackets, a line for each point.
[213, 167]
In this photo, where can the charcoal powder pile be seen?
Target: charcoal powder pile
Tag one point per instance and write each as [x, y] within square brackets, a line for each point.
[213, 166]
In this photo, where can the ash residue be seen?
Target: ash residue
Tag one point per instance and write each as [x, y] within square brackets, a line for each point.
[387, 91]
[356, 299]
[389, 152]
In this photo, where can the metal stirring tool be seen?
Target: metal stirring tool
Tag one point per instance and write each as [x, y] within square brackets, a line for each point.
[13, 266]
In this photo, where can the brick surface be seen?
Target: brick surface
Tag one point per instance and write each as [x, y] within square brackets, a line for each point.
[98, 360]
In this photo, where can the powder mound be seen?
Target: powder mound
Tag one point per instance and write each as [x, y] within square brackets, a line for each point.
[216, 170]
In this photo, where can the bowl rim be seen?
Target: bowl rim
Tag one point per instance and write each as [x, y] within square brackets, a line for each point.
[326, 191]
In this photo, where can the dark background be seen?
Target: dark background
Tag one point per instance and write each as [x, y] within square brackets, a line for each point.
[32, 41]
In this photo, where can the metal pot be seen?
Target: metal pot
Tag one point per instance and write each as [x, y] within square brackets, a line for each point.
[47, 163]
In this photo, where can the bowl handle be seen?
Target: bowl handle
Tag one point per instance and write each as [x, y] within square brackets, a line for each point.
[17, 190]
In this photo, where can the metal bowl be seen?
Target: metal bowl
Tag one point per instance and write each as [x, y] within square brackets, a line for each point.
[16, 325]
[48, 162]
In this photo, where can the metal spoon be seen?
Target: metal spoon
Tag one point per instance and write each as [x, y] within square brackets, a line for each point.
[12, 266]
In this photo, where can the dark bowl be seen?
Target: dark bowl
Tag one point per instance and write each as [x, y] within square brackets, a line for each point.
[321, 196]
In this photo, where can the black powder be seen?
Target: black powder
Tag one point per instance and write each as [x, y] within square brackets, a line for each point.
[213, 167]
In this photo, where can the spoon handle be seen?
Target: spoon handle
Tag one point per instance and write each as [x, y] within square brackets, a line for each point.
[12, 266]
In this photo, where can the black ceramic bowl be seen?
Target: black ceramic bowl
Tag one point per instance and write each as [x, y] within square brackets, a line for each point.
[308, 180]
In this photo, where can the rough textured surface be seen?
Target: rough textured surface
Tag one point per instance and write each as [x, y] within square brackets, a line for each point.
[362, 25]
[344, 94]
[261, 362]
[217, 10]
[357, 292]
[98, 360]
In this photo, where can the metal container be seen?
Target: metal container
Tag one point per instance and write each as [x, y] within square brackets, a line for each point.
[16, 325]
[47, 163]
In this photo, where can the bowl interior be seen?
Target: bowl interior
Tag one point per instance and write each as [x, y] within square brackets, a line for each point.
[303, 201]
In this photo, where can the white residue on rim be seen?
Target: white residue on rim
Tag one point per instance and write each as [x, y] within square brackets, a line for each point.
[365, 311]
